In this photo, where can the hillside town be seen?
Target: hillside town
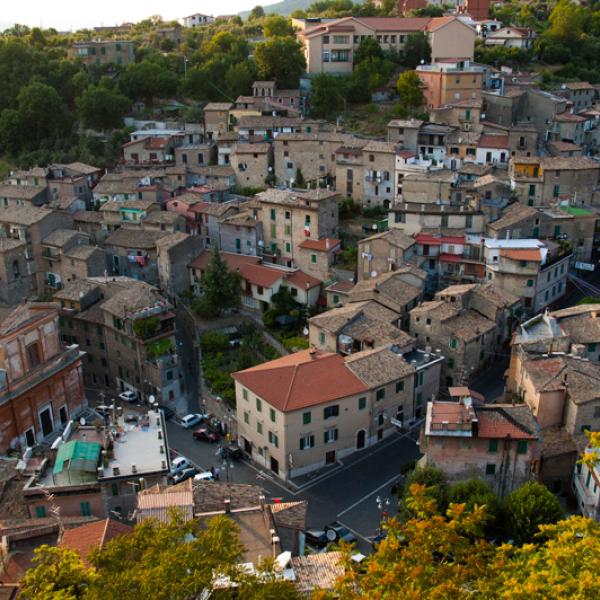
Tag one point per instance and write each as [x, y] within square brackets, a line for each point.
[259, 315]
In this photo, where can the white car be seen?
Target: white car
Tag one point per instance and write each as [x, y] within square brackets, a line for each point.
[192, 420]
[205, 476]
[128, 396]
[179, 464]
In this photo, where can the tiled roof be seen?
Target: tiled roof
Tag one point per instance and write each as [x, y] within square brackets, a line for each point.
[260, 275]
[134, 238]
[218, 106]
[317, 571]
[210, 496]
[157, 502]
[322, 245]
[506, 420]
[378, 366]
[493, 141]
[85, 538]
[567, 163]
[342, 287]
[470, 325]
[336, 319]
[25, 314]
[513, 214]
[579, 85]
[290, 514]
[391, 285]
[88, 216]
[567, 117]
[303, 280]
[530, 254]
[497, 295]
[395, 237]
[24, 215]
[306, 378]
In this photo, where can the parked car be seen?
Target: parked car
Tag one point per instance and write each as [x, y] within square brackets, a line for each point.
[337, 532]
[204, 434]
[179, 464]
[128, 396]
[183, 475]
[232, 452]
[204, 476]
[103, 410]
[168, 412]
[315, 538]
[192, 419]
[215, 424]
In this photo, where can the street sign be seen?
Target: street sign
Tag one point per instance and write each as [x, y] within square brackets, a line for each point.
[584, 266]
[396, 422]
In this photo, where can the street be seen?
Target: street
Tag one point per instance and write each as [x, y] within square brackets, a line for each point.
[347, 493]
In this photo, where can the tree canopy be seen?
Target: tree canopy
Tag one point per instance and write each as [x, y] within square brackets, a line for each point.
[410, 90]
[280, 59]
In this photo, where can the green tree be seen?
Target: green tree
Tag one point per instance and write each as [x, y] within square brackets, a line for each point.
[221, 289]
[368, 48]
[146, 80]
[431, 10]
[416, 49]
[280, 59]
[299, 180]
[326, 95]
[476, 492]
[239, 78]
[258, 12]
[277, 26]
[410, 90]
[567, 20]
[102, 108]
[528, 507]
[433, 480]
[56, 574]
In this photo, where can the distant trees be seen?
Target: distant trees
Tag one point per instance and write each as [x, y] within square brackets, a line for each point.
[280, 59]
[277, 26]
[258, 12]
[146, 80]
[101, 107]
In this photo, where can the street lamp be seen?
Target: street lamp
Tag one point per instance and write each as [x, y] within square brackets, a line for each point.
[382, 505]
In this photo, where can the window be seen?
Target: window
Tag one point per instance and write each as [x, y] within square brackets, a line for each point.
[307, 441]
[85, 509]
[288, 247]
[273, 439]
[340, 56]
[272, 214]
[313, 258]
[325, 55]
[451, 363]
[341, 39]
[258, 405]
[490, 469]
[530, 283]
[336, 299]
[272, 415]
[245, 394]
[362, 403]
[306, 418]
[331, 411]
[521, 447]
[453, 343]
[326, 39]
[33, 354]
[259, 427]
[287, 230]
[399, 386]
[380, 394]
[114, 489]
[330, 435]
[493, 446]
[556, 191]
[40, 512]
[246, 417]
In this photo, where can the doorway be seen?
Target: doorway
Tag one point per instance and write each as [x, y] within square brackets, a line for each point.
[274, 465]
[330, 457]
[380, 434]
[30, 437]
[64, 417]
[360, 439]
[247, 447]
[46, 422]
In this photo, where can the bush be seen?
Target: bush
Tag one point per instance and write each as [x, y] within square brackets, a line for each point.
[295, 343]
[146, 328]
[213, 342]
[476, 491]
[435, 480]
[349, 209]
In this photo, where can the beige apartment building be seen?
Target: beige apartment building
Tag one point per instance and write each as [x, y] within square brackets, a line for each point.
[301, 412]
[349, 170]
[252, 164]
[290, 218]
[329, 45]
[384, 252]
[216, 118]
[103, 52]
[312, 153]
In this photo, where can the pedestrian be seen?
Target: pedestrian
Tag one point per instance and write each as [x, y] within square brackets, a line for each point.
[212, 471]
[217, 473]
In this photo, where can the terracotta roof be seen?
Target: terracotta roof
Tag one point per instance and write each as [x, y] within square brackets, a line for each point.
[25, 314]
[317, 571]
[260, 275]
[85, 538]
[470, 325]
[343, 287]
[513, 214]
[579, 85]
[395, 237]
[532, 254]
[438, 22]
[218, 106]
[322, 245]
[303, 280]
[157, 502]
[506, 420]
[493, 141]
[569, 118]
[303, 379]
[134, 238]
[379, 366]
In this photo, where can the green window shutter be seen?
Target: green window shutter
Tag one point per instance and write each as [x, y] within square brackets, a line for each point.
[313, 258]
[321, 337]
[259, 428]
[288, 247]
[453, 343]
[273, 230]
[272, 414]
[451, 363]
[272, 214]
[306, 418]
[114, 489]
[336, 299]
[493, 446]
[258, 405]
[40, 512]
[380, 394]
[521, 447]
[85, 509]
[591, 347]
[530, 283]
[490, 469]
[362, 403]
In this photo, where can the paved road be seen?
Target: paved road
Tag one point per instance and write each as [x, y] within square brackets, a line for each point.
[347, 493]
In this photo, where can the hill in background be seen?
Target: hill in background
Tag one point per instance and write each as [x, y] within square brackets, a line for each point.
[285, 7]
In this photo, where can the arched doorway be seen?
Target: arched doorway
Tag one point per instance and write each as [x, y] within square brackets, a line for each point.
[361, 439]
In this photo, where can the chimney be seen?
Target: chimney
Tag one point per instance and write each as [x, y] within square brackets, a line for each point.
[159, 434]
[313, 353]
[116, 470]
[133, 469]
[163, 464]
[162, 449]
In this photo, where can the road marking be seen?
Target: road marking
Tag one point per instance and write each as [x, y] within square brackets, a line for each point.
[267, 476]
[361, 500]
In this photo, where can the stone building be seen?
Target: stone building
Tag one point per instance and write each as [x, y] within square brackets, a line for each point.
[383, 252]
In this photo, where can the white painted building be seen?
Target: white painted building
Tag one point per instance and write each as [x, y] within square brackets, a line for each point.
[586, 486]
[197, 20]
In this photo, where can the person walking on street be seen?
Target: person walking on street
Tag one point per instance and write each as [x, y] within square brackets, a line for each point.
[217, 473]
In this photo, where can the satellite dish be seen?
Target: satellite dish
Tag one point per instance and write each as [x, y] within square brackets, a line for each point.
[305, 330]
[151, 399]
[82, 421]
[373, 273]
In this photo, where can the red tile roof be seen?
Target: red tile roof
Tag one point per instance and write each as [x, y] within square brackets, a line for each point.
[259, 275]
[431, 240]
[302, 280]
[438, 22]
[93, 535]
[493, 141]
[303, 379]
[322, 245]
[453, 258]
[532, 254]
[496, 422]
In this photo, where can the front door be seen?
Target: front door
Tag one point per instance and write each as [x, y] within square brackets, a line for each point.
[330, 457]
[274, 465]
[360, 439]
[46, 422]
[247, 447]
